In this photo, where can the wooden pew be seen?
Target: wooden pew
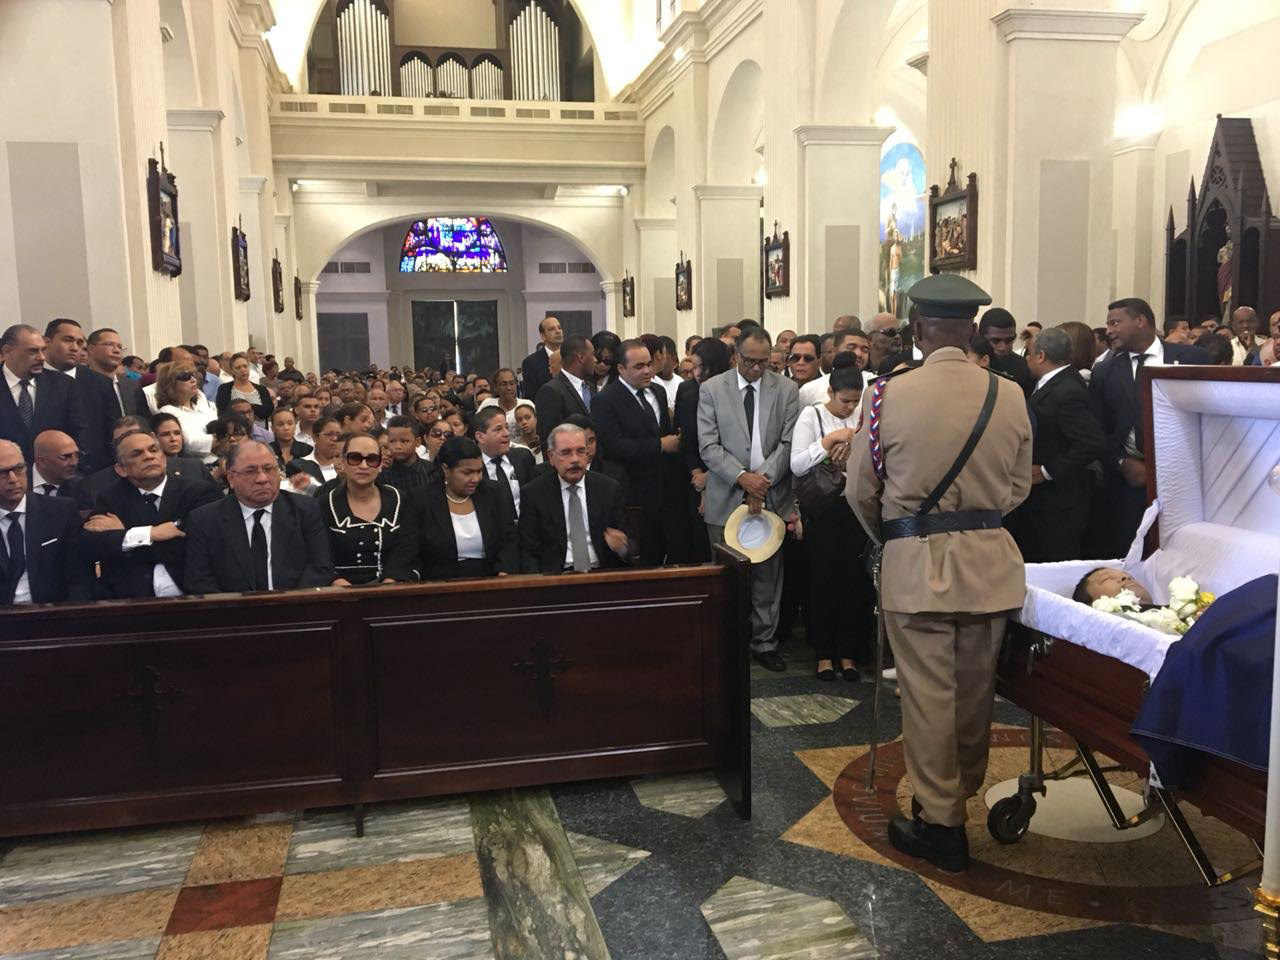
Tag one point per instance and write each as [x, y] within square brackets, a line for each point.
[128, 712]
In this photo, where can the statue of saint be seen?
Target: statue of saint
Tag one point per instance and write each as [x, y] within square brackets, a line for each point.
[1226, 262]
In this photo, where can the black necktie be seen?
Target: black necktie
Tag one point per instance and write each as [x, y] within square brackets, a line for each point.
[258, 547]
[749, 405]
[153, 502]
[16, 563]
[504, 482]
[644, 404]
[26, 408]
[50, 489]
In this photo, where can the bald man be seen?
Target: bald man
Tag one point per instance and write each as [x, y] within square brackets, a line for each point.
[886, 341]
[1244, 327]
[39, 540]
[847, 322]
[55, 472]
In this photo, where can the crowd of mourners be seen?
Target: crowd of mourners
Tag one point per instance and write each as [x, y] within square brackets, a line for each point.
[198, 474]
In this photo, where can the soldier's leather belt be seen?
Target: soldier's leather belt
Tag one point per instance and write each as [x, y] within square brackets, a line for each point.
[956, 522]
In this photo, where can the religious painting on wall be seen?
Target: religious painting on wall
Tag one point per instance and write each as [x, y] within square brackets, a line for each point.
[162, 204]
[277, 283]
[903, 210]
[628, 296]
[297, 298]
[684, 283]
[953, 224]
[240, 263]
[777, 264]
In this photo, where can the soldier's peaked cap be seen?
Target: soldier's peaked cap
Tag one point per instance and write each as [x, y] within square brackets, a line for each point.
[947, 296]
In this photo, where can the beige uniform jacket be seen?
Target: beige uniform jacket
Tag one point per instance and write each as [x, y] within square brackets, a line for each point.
[925, 419]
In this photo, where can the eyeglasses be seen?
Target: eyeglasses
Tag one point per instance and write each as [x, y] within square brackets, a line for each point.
[369, 459]
[18, 470]
[184, 376]
[745, 361]
[889, 334]
[802, 358]
[263, 471]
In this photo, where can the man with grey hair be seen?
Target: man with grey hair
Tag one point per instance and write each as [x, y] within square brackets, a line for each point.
[256, 539]
[34, 398]
[572, 517]
[1050, 525]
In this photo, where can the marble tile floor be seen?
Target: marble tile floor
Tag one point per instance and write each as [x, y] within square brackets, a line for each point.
[643, 869]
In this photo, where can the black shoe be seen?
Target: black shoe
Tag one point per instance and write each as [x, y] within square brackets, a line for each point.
[827, 675]
[770, 660]
[850, 674]
[947, 848]
[916, 810]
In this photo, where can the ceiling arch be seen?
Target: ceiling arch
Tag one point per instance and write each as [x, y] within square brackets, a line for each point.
[739, 121]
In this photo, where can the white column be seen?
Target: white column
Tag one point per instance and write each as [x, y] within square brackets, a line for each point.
[613, 319]
[1133, 212]
[193, 159]
[309, 358]
[655, 280]
[259, 305]
[840, 193]
[1054, 240]
[729, 251]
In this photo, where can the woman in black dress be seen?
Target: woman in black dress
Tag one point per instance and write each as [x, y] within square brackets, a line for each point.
[467, 528]
[710, 358]
[372, 529]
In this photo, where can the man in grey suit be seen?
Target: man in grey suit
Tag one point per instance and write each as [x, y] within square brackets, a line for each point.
[745, 420]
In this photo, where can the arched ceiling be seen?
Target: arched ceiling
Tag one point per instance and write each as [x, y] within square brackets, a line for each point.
[608, 22]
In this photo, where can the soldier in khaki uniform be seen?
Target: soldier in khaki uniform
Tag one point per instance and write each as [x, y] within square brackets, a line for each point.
[951, 575]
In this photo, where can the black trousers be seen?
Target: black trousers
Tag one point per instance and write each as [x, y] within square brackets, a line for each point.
[841, 596]
[795, 590]
[1053, 534]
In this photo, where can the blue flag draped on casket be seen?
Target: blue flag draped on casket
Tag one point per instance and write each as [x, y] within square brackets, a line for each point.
[1213, 693]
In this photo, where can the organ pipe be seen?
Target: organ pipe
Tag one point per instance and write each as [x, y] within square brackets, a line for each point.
[364, 48]
[534, 39]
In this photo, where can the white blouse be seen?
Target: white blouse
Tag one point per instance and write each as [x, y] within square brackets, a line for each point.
[466, 530]
[194, 421]
[806, 442]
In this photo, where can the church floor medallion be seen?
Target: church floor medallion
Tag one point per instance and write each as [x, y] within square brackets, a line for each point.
[1045, 874]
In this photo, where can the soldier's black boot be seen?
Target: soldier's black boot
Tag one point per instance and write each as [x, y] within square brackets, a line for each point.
[947, 848]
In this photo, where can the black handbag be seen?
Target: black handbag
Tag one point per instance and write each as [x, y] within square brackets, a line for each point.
[819, 489]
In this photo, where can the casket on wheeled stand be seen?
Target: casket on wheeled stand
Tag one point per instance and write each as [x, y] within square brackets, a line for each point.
[1213, 446]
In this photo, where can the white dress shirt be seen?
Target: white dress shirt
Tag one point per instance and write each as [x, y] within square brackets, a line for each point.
[815, 391]
[38, 483]
[15, 390]
[194, 421]
[247, 513]
[490, 466]
[576, 382]
[806, 442]
[1154, 354]
[757, 447]
[466, 530]
[300, 436]
[568, 537]
[670, 386]
[136, 537]
[1239, 352]
[648, 399]
[22, 592]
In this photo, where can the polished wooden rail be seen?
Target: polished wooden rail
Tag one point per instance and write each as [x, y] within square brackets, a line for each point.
[117, 713]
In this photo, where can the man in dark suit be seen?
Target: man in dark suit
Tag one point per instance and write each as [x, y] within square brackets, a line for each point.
[40, 560]
[558, 530]
[1050, 524]
[64, 351]
[137, 532]
[634, 429]
[192, 468]
[105, 350]
[569, 392]
[1113, 392]
[55, 471]
[34, 399]
[535, 370]
[511, 467]
[256, 539]
[1001, 331]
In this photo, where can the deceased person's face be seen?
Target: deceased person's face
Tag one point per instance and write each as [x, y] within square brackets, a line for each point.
[1106, 582]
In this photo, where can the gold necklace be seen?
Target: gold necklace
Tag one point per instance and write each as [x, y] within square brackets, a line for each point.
[452, 499]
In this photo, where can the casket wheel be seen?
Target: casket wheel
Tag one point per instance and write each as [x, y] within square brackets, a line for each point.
[1010, 817]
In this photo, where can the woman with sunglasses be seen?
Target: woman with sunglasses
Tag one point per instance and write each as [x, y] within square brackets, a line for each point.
[467, 528]
[178, 393]
[371, 530]
[433, 438]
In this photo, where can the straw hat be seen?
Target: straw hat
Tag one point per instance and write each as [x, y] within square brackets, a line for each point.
[756, 536]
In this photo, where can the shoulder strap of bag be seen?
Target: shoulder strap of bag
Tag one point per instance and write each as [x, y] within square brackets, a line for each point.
[979, 428]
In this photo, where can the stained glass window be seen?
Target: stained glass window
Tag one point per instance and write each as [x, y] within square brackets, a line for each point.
[452, 245]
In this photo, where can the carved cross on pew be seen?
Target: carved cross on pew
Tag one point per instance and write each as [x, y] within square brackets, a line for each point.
[543, 668]
[148, 696]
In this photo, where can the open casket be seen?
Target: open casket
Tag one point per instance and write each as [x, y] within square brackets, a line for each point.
[1213, 442]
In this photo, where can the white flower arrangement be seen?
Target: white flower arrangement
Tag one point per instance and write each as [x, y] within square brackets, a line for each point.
[1186, 602]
